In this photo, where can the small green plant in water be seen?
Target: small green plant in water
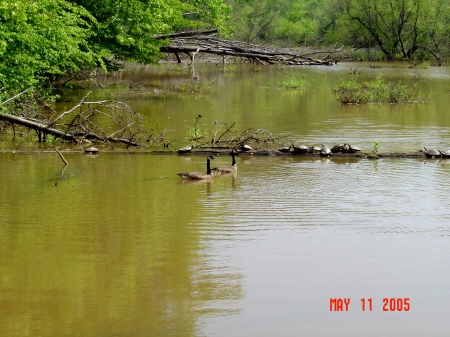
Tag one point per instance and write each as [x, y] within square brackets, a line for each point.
[195, 134]
[51, 139]
[376, 91]
[374, 154]
[293, 83]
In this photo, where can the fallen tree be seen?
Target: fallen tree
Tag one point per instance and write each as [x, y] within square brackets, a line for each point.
[192, 43]
[105, 121]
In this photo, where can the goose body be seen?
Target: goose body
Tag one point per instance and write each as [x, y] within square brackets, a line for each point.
[229, 169]
[199, 175]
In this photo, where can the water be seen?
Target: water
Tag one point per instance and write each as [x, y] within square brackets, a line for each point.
[253, 97]
[122, 247]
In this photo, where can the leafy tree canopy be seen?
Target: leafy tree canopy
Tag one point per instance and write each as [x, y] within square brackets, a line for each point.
[42, 40]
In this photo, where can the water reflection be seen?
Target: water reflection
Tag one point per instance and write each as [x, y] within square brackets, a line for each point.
[109, 251]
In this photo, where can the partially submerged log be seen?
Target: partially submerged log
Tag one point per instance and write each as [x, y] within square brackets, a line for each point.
[192, 43]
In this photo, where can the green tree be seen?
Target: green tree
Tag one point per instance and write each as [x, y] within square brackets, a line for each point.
[292, 21]
[399, 28]
[255, 20]
[126, 28]
[41, 40]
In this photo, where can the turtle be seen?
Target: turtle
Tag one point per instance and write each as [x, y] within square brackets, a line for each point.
[91, 150]
[325, 151]
[430, 153]
[315, 149]
[445, 153]
[285, 149]
[353, 149]
[245, 147]
[337, 148]
[185, 149]
[301, 149]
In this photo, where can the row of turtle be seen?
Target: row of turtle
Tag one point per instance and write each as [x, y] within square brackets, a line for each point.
[323, 150]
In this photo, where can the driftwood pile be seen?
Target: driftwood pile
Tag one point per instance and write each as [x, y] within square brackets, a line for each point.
[192, 43]
[105, 121]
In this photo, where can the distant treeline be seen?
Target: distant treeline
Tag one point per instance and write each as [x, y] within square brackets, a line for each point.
[397, 29]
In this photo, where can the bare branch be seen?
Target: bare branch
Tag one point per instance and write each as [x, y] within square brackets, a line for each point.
[14, 97]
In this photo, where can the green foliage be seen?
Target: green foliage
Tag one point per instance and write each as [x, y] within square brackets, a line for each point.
[374, 154]
[399, 28]
[376, 91]
[195, 134]
[193, 89]
[299, 21]
[41, 40]
[293, 83]
[51, 139]
[375, 147]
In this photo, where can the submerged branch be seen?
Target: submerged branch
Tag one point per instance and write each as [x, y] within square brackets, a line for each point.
[66, 163]
[62, 157]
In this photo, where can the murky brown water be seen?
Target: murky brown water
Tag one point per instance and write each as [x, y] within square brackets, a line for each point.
[251, 97]
[123, 247]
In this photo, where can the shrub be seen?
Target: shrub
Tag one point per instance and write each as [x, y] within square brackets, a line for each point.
[376, 91]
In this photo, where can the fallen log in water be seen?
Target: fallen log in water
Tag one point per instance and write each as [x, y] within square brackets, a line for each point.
[45, 129]
[122, 123]
[192, 43]
[273, 152]
[262, 153]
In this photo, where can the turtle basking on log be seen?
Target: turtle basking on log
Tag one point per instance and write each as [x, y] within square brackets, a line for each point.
[185, 149]
[325, 151]
[445, 153]
[353, 149]
[300, 149]
[430, 153]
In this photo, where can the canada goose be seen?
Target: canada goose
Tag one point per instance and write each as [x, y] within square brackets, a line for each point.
[229, 169]
[199, 175]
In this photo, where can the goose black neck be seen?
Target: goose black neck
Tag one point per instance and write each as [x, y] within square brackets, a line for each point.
[208, 166]
[233, 162]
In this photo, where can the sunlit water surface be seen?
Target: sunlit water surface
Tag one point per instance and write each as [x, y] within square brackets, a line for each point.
[122, 247]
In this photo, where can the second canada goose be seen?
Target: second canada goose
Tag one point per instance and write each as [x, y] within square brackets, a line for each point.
[229, 169]
[199, 175]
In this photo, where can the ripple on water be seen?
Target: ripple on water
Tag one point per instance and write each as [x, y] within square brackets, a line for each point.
[385, 196]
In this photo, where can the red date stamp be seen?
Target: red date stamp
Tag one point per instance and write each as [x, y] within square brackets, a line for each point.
[388, 304]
